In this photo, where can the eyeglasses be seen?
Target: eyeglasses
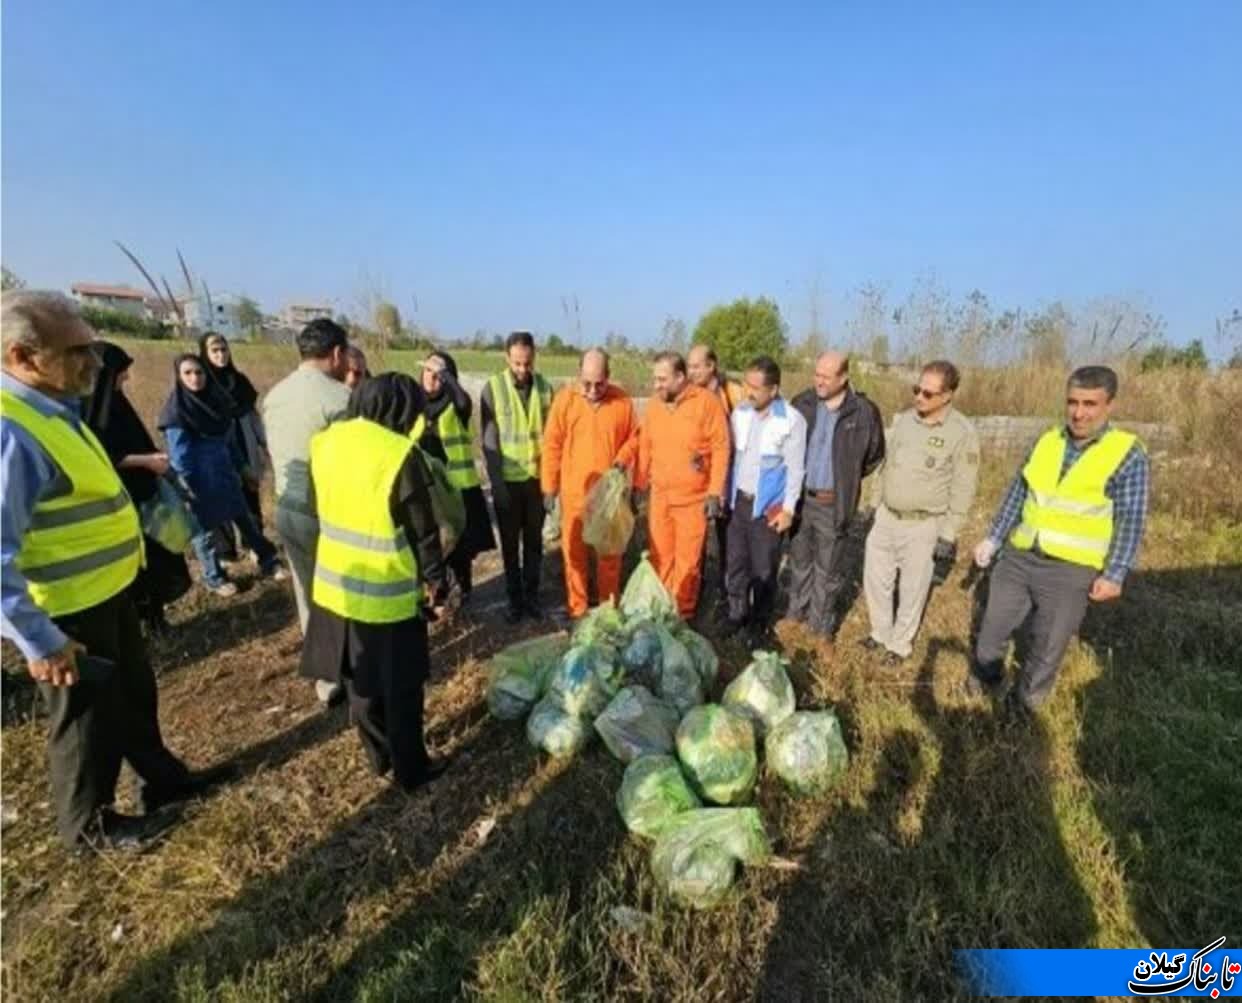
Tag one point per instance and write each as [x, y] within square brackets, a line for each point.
[927, 395]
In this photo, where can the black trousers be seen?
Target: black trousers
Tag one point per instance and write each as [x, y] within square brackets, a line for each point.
[815, 566]
[754, 557]
[94, 725]
[520, 518]
[386, 701]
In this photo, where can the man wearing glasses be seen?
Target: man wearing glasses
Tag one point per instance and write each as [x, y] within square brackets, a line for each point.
[926, 488]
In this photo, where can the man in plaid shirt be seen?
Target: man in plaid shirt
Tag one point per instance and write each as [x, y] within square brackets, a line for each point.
[1073, 519]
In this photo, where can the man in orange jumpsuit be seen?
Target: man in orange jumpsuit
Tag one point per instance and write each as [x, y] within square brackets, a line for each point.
[683, 456]
[588, 427]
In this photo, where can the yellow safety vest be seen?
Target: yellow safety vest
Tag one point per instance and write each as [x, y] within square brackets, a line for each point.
[365, 568]
[455, 438]
[520, 431]
[84, 547]
[1071, 518]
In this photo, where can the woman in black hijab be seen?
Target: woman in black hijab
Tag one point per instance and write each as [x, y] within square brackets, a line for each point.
[114, 421]
[197, 424]
[384, 666]
[249, 438]
[444, 392]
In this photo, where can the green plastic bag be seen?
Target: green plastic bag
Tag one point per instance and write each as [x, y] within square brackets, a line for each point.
[166, 517]
[608, 522]
[763, 692]
[586, 679]
[635, 723]
[446, 504]
[558, 733]
[697, 852]
[645, 596]
[602, 626]
[807, 751]
[518, 675]
[717, 750]
[704, 655]
[653, 792]
[643, 656]
[680, 683]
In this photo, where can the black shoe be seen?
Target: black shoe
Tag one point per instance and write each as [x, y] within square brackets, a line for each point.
[513, 615]
[1017, 711]
[869, 643]
[195, 785]
[111, 832]
[532, 609]
[428, 774]
[892, 660]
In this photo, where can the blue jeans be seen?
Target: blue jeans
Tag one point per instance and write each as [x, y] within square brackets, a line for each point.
[205, 550]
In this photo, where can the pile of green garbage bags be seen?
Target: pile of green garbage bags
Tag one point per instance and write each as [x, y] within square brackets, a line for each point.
[640, 679]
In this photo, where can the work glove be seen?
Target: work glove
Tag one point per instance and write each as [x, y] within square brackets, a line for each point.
[549, 503]
[985, 550]
[943, 559]
[712, 507]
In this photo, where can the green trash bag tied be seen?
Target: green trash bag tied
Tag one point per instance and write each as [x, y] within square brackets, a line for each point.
[642, 656]
[717, 750]
[680, 682]
[608, 522]
[653, 792]
[604, 626]
[763, 692]
[696, 855]
[636, 723]
[586, 679]
[558, 733]
[518, 675]
[645, 596]
[807, 752]
[702, 653]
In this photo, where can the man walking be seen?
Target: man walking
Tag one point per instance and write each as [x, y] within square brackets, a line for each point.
[513, 407]
[683, 456]
[845, 443]
[769, 448]
[1073, 520]
[590, 424]
[927, 485]
[70, 547]
[295, 409]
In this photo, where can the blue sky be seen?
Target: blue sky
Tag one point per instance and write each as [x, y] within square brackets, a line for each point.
[651, 159]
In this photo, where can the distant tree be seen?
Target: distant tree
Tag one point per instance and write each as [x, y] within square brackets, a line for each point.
[740, 330]
[1166, 356]
[1047, 336]
[249, 316]
[878, 350]
[10, 279]
[387, 319]
[616, 342]
[344, 320]
[673, 337]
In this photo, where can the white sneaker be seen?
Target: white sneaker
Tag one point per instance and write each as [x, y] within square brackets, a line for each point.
[279, 574]
[326, 691]
[225, 591]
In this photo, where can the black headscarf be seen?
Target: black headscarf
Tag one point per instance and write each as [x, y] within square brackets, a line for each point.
[108, 411]
[204, 413]
[393, 400]
[232, 381]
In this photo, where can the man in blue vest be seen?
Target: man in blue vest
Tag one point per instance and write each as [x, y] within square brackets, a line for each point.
[769, 450]
[70, 547]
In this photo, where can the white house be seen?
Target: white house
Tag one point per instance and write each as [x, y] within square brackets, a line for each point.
[298, 315]
[122, 299]
[221, 317]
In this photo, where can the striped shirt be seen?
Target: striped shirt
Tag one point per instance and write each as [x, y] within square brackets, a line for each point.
[1128, 488]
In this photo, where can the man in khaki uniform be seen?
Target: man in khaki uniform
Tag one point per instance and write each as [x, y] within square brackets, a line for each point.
[926, 488]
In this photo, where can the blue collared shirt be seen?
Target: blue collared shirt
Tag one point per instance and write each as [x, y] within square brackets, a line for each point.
[1128, 488]
[820, 475]
[28, 474]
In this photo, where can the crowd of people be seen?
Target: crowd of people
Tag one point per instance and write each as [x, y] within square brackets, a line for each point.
[354, 459]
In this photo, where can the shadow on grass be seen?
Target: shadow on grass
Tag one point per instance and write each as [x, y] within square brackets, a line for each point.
[957, 846]
[258, 612]
[1162, 744]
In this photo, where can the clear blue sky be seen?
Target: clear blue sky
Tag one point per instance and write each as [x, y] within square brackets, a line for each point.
[490, 160]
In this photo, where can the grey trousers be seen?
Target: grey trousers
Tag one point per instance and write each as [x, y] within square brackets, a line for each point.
[896, 546]
[299, 534]
[1054, 595]
[815, 566]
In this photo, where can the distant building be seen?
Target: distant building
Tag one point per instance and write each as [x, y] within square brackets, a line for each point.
[122, 299]
[220, 316]
[298, 315]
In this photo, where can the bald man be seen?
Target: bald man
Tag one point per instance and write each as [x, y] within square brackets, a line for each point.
[589, 429]
[844, 443]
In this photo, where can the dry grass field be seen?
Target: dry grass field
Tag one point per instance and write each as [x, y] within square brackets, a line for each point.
[1112, 820]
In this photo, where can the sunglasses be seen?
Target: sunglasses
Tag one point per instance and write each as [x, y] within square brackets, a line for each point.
[927, 395]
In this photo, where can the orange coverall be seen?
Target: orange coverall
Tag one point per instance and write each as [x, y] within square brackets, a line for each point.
[580, 442]
[683, 456]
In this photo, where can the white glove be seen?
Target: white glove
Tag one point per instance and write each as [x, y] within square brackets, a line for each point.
[985, 550]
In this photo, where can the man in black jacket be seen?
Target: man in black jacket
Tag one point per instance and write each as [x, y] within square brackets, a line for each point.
[844, 443]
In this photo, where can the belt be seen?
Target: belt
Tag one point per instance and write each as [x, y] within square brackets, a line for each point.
[744, 496]
[826, 496]
[913, 515]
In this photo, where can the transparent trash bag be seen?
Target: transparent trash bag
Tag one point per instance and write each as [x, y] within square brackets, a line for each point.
[558, 733]
[807, 752]
[653, 791]
[586, 678]
[518, 675]
[762, 692]
[645, 596]
[717, 750]
[680, 683]
[166, 516]
[637, 723]
[696, 855]
[608, 522]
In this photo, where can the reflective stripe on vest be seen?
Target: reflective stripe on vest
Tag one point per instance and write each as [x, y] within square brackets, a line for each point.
[1071, 517]
[365, 568]
[455, 438]
[85, 547]
[520, 431]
